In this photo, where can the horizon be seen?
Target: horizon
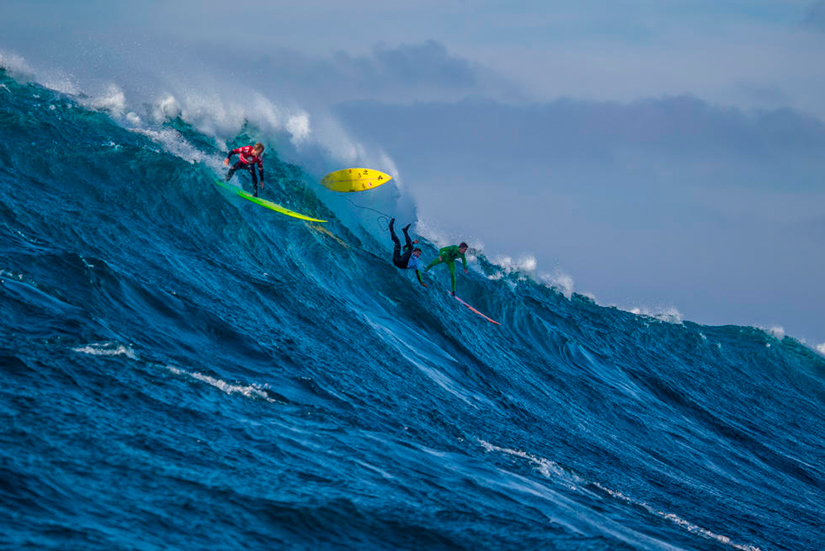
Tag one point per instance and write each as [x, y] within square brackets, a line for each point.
[661, 157]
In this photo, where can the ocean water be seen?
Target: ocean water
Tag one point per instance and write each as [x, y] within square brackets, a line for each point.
[182, 369]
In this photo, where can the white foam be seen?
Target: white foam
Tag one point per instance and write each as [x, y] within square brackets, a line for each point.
[333, 138]
[551, 469]
[689, 526]
[210, 115]
[344, 151]
[526, 266]
[430, 231]
[387, 165]
[112, 100]
[667, 314]
[250, 391]
[107, 349]
[547, 468]
[298, 127]
[15, 64]
[776, 332]
[561, 281]
[173, 143]
[60, 81]
[167, 108]
[821, 348]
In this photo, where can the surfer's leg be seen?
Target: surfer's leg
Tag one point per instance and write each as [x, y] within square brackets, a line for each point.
[407, 236]
[396, 247]
[451, 266]
[232, 170]
[433, 263]
[254, 179]
[404, 259]
[392, 234]
[396, 255]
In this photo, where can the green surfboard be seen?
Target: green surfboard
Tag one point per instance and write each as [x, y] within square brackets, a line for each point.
[264, 203]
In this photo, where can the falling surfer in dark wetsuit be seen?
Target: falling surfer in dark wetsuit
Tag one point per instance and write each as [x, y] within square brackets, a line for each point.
[410, 258]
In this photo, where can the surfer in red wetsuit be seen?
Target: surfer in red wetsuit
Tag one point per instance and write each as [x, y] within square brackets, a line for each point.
[249, 156]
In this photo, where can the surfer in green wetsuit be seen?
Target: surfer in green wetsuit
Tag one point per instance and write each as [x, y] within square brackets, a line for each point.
[448, 255]
[411, 258]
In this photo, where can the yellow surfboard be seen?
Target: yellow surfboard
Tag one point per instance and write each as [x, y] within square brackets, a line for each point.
[355, 179]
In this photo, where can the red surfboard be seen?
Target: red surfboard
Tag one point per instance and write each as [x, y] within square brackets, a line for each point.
[491, 320]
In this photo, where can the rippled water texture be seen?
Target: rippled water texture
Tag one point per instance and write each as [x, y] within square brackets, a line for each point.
[183, 369]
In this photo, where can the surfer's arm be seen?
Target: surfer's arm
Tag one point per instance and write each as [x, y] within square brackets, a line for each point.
[229, 155]
[464, 262]
[261, 171]
[415, 264]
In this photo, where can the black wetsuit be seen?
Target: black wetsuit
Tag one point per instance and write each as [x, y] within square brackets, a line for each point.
[240, 165]
[399, 259]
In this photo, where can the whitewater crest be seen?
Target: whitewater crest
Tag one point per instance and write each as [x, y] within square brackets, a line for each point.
[667, 314]
[526, 267]
[222, 114]
[16, 65]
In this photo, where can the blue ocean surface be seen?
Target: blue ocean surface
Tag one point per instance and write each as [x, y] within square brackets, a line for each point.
[183, 369]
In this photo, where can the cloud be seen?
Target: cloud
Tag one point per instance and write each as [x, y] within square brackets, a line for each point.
[815, 16]
[677, 131]
[427, 63]
[407, 72]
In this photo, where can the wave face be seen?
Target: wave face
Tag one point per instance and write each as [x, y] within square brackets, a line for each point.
[184, 369]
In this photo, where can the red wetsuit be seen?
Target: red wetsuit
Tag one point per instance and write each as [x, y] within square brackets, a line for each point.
[247, 161]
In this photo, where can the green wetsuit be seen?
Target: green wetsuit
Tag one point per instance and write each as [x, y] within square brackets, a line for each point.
[448, 255]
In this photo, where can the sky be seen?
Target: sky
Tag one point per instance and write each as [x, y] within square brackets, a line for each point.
[658, 156]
